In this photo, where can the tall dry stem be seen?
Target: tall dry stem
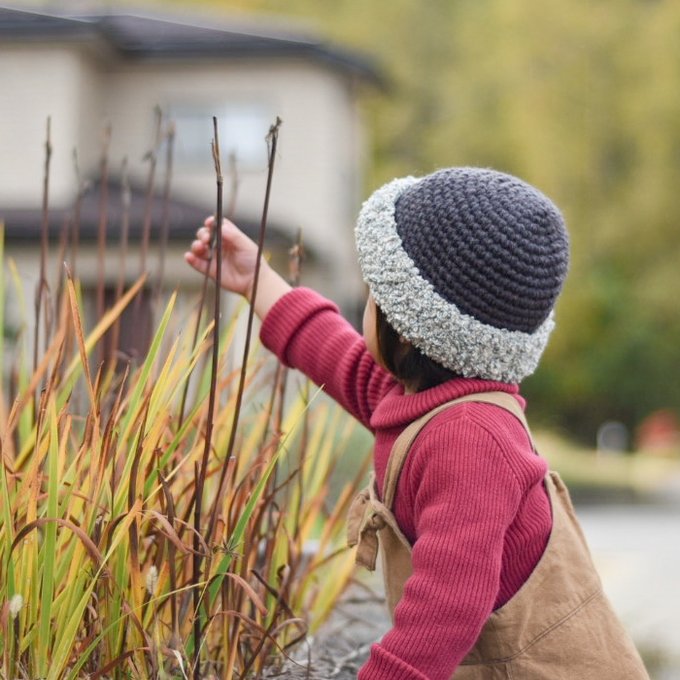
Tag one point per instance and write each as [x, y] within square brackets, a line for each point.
[126, 201]
[165, 217]
[74, 240]
[42, 288]
[103, 222]
[272, 139]
[233, 173]
[200, 480]
[152, 157]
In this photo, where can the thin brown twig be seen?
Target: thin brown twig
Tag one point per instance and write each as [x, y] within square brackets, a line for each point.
[233, 172]
[44, 243]
[152, 157]
[200, 481]
[165, 219]
[170, 512]
[77, 209]
[126, 201]
[143, 319]
[272, 139]
[64, 238]
[280, 604]
[102, 224]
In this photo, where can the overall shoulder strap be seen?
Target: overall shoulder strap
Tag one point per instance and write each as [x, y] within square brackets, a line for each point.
[407, 437]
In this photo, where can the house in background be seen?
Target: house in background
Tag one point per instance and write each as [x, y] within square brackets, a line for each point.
[114, 71]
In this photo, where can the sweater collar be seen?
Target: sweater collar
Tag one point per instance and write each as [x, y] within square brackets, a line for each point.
[397, 409]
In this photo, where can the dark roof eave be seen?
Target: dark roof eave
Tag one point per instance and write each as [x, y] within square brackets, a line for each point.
[19, 23]
[23, 225]
[163, 40]
[369, 74]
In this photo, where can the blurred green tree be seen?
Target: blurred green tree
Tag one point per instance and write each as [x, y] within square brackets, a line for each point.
[583, 100]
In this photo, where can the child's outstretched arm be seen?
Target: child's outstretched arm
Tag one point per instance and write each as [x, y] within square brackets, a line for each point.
[239, 259]
[308, 333]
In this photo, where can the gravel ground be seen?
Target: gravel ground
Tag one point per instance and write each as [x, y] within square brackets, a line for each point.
[343, 644]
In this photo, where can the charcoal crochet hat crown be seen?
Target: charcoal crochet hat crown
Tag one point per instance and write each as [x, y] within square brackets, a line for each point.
[466, 264]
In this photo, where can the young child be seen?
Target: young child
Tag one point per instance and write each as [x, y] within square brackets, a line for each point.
[487, 574]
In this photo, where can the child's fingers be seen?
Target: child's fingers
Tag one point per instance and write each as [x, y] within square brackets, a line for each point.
[198, 263]
[200, 248]
[203, 234]
[233, 239]
[230, 232]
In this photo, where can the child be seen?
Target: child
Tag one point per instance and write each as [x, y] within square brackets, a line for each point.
[487, 575]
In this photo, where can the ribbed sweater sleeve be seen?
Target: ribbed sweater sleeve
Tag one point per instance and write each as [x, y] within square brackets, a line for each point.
[461, 515]
[307, 332]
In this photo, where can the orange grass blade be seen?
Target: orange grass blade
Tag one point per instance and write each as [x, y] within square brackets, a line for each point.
[72, 372]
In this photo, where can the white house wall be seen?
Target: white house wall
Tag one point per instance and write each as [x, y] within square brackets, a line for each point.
[315, 183]
[37, 81]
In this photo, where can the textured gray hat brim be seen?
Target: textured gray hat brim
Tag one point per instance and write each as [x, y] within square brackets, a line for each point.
[417, 312]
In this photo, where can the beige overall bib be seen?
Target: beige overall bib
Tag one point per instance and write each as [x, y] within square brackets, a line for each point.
[558, 626]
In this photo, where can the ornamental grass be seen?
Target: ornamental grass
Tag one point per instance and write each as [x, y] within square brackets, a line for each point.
[167, 517]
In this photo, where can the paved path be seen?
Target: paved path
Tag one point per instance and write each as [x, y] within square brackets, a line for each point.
[637, 551]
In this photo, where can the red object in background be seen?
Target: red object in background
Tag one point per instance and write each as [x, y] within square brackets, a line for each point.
[659, 432]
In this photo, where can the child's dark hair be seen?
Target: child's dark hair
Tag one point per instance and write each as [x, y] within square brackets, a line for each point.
[406, 362]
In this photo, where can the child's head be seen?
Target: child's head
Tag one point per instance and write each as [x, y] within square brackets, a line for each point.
[465, 265]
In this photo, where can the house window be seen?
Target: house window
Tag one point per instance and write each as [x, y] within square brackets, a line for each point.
[242, 129]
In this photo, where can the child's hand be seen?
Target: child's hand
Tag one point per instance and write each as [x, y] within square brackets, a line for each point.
[239, 257]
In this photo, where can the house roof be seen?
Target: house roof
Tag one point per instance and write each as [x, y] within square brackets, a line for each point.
[143, 36]
[23, 225]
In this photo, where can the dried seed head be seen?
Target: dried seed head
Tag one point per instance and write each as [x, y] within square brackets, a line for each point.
[152, 580]
[15, 605]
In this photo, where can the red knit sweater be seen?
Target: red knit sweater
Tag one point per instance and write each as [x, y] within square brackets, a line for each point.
[470, 497]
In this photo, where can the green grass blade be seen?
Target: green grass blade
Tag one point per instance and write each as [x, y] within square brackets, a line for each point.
[49, 546]
[7, 584]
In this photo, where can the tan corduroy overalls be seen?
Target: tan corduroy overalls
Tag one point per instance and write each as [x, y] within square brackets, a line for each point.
[558, 626]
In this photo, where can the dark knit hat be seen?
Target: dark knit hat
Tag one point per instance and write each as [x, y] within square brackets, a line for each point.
[466, 264]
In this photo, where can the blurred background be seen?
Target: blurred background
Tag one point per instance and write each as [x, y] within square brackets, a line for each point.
[582, 99]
